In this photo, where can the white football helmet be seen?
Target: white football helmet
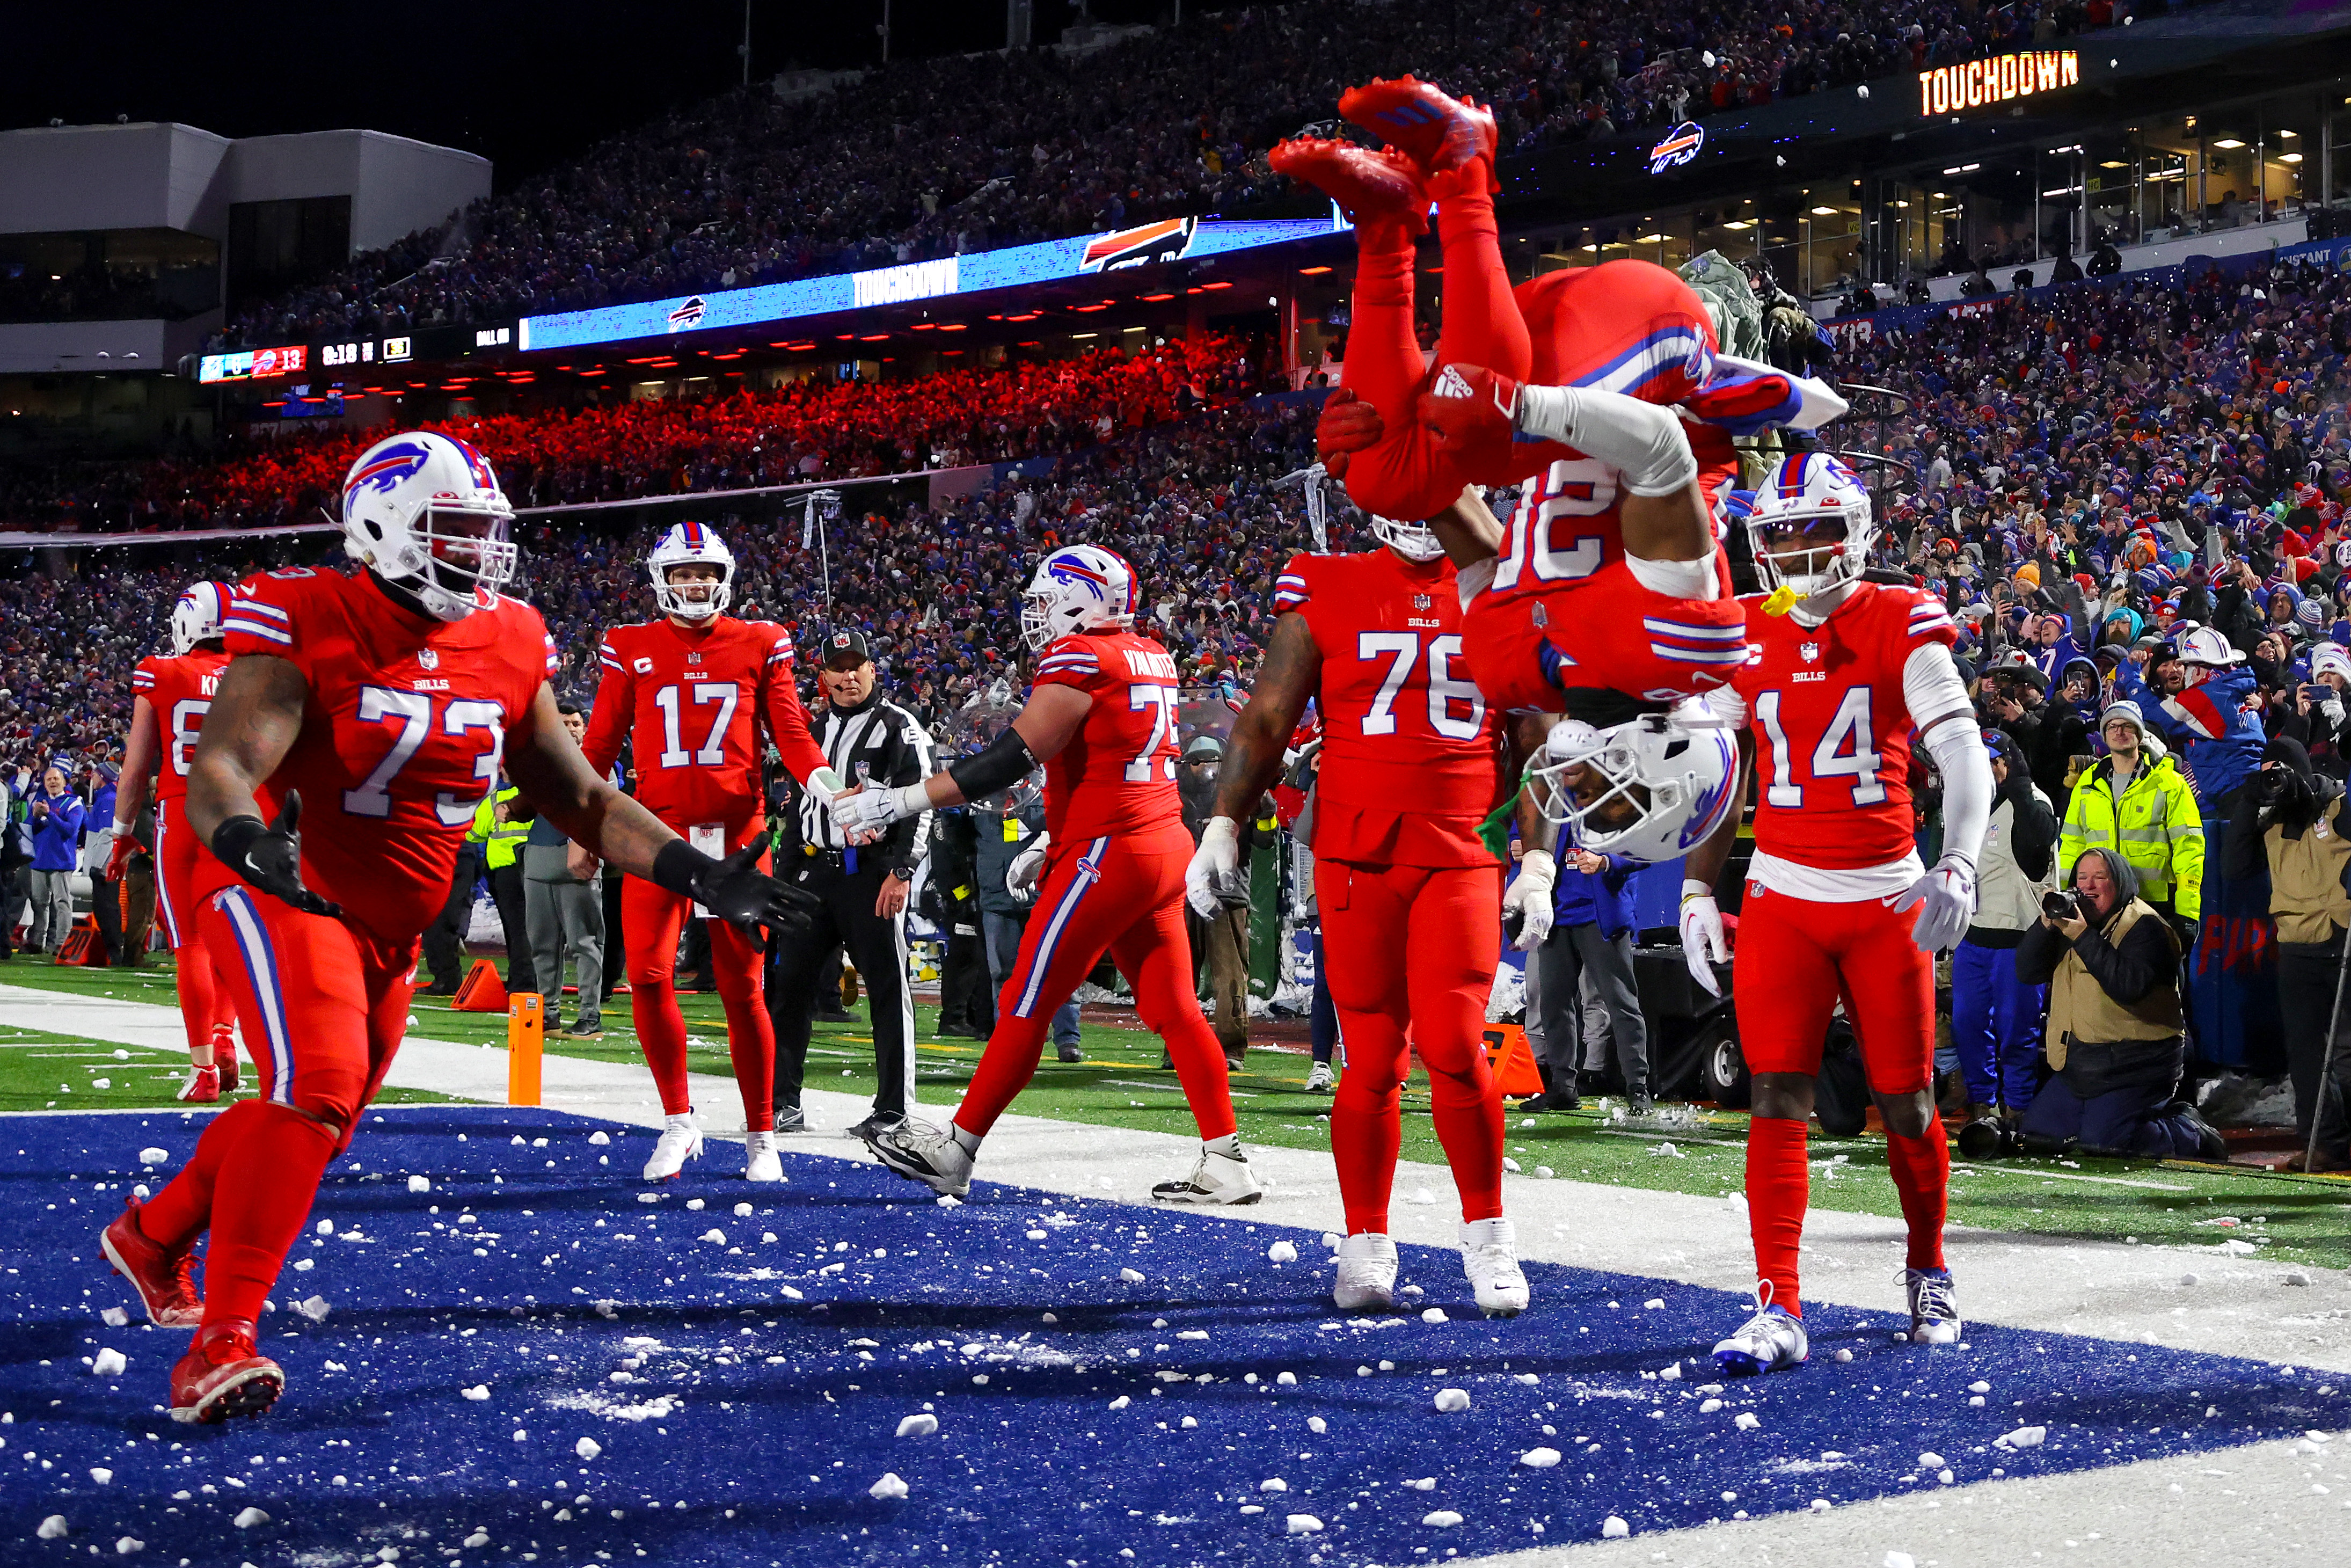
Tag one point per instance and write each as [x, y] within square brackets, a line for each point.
[1414, 541]
[425, 512]
[1650, 790]
[1801, 488]
[196, 618]
[2206, 646]
[1076, 589]
[691, 544]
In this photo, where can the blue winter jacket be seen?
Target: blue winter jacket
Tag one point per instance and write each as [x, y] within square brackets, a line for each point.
[2219, 742]
[1593, 898]
[57, 838]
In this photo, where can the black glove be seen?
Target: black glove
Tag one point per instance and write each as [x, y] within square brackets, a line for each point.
[735, 890]
[270, 857]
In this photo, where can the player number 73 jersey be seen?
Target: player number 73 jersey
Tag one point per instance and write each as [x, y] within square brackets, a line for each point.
[402, 733]
[1117, 775]
[1833, 728]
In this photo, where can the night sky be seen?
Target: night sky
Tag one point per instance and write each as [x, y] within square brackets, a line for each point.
[524, 84]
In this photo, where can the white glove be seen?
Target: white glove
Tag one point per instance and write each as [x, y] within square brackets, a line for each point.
[1703, 943]
[1946, 900]
[1531, 896]
[869, 810]
[1216, 863]
[1021, 877]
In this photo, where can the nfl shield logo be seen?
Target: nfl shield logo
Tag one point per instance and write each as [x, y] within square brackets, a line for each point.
[426, 659]
[1421, 602]
[1810, 652]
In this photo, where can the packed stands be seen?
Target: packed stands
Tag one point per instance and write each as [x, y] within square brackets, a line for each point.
[808, 430]
[926, 158]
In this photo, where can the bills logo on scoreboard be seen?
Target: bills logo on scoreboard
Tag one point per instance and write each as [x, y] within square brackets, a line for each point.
[1166, 240]
[1681, 145]
[687, 314]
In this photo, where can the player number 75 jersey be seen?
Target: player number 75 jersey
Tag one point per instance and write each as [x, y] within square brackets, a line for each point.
[1117, 775]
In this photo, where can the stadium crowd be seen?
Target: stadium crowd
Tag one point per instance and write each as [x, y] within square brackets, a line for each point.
[735, 439]
[748, 190]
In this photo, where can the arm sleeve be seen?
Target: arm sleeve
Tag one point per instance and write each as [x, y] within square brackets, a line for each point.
[1294, 587]
[2244, 856]
[2184, 824]
[786, 718]
[615, 710]
[2033, 835]
[1940, 708]
[2037, 954]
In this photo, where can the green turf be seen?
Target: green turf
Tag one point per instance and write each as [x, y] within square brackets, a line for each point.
[44, 1072]
[2308, 1219]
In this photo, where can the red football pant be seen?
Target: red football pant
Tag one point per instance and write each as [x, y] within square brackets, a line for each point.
[325, 1003]
[1796, 957]
[1122, 894]
[651, 918]
[205, 996]
[1411, 948]
[1404, 475]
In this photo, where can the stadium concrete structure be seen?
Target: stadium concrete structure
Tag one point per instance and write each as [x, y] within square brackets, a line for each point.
[504, 1348]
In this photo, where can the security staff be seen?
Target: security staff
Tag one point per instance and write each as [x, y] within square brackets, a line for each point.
[868, 740]
[502, 831]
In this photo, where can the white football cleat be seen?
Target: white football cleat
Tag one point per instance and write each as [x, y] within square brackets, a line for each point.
[1773, 1340]
[1219, 1179]
[1489, 1256]
[1318, 1079]
[1367, 1271]
[922, 1153]
[681, 1141]
[760, 1161]
[1934, 1310]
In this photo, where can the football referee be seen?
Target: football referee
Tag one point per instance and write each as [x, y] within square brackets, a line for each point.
[863, 887]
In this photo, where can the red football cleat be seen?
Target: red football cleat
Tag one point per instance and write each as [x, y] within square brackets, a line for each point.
[223, 1375]
[165, 1280]
[1366, 184]
[224, 1056]
[1439, 132]
[201, 1087]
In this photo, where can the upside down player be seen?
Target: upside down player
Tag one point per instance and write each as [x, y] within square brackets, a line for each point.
[1101, 717]
[167, 715]
[384, 702]
[687, 693]
[1407, 891]
[1846, 672]
[1617, 516]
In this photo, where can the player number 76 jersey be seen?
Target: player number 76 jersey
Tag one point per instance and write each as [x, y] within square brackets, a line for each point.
[1834, 727]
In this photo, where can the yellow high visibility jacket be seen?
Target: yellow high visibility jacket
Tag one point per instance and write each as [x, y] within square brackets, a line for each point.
[2155, 826]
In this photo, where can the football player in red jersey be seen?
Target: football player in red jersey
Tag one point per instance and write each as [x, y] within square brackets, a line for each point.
[1846, 672]
[166, 716]
[687, 694]
[1101, 717]
[1618, 516]
[1408, 890]
[384, 702]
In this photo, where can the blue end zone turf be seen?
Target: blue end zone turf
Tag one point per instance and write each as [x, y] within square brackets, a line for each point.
[746, 1393]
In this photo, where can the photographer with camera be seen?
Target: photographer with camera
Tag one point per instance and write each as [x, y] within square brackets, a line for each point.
[2112, 966]
[2292, 823]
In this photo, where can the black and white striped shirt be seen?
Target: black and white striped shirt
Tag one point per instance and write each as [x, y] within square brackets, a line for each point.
[884, 745]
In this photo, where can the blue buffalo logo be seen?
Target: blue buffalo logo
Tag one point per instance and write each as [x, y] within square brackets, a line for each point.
[686, 315]
[387, 467]
[1681, 144]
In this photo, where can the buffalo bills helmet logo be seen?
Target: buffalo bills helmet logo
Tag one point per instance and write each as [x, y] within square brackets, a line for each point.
[390, 466]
